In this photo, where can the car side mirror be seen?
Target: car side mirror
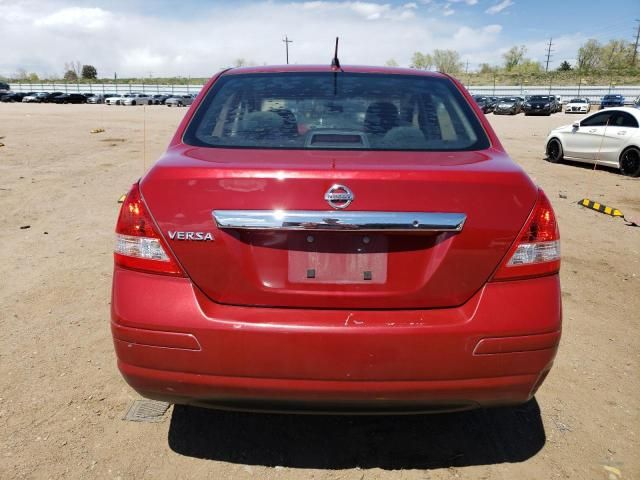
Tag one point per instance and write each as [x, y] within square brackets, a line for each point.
[576, 125]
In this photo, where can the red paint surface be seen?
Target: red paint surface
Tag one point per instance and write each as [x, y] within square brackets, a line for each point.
[266, 333]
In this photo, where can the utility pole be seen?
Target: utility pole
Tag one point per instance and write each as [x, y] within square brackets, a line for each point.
[635, 45]
[286, 43]
[546, 69]
[466, 72]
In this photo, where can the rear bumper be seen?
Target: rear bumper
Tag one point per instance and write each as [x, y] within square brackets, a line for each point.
[173, 343]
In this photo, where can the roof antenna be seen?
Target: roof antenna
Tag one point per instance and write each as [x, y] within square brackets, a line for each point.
[335, 63]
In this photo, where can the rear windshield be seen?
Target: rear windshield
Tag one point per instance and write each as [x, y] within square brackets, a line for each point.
[335, 111]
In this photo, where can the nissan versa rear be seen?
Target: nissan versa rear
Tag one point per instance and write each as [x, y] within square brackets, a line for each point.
[337, 240]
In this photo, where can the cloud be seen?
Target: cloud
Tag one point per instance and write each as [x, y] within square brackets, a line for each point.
[499, 7]
[133, 42]
[76, 18]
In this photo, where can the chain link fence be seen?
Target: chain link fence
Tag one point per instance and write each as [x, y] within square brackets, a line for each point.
[593, 92]
[119, 88]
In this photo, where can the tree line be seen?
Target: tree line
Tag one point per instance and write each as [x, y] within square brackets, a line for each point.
[73, 71]
[593, 57]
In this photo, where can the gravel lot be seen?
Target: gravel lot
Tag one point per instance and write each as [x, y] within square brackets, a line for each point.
[62, 399]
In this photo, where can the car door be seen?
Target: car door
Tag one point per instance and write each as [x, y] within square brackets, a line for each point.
[583, 142]
[622, 126]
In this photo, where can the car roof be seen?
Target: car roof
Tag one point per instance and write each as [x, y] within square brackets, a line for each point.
[632, 110]
[328, 68]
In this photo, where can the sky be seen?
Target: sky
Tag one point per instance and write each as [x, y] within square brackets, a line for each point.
[195, 38]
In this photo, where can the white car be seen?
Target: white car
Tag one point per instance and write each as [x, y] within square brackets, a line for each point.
[31, 98]
[179, 100]
[608, 137]
[117, 99]
[578, 105]
[137, 99]
[113, 100]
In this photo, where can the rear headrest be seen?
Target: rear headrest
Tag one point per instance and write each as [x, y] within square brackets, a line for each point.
[290, 124]
[381, 117]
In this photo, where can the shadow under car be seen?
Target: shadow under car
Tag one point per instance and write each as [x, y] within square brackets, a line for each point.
[474, 437]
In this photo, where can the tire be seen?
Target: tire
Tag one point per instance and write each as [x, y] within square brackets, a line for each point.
[133, 103]
[630, 162]
[554, 151]
[149, 102]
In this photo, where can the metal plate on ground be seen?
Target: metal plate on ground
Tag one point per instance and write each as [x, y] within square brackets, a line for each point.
[147, 411]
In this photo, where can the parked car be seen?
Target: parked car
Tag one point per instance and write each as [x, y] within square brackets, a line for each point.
[116, 99]
[636, 102]
[539, 105]
[137, 99]
[98, 97]
[508, 106]
[49, 97]
[34, 97]
[609, 137]
[578, 105]
[353, 256]
[612, 101]
[12, 97]
[160, 98]
[70, 98]
[485, 103]
[560, 103]
[4, 87]
[179, 100]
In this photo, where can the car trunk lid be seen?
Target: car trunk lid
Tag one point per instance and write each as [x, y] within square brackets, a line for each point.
[276, 242]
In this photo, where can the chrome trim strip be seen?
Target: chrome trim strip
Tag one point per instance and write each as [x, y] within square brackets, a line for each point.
[339, 220]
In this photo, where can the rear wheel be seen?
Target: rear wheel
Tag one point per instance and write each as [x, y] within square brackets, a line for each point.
[630, 162]
[133, 103]
[554, 151]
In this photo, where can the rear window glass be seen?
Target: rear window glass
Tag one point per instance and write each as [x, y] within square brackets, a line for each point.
[335, 111]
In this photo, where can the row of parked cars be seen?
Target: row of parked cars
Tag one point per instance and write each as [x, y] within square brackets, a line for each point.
[544, 104]
[512, 105]
[171, 100]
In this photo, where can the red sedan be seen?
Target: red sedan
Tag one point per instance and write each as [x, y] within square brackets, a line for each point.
[336, 239]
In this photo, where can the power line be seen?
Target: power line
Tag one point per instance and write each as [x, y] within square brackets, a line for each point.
[546, 69]
[286, 43]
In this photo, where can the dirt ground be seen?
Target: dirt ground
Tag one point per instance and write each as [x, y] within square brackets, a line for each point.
[62, 399]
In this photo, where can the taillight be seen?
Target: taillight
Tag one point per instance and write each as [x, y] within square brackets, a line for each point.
[139, 246]
[536, 252]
